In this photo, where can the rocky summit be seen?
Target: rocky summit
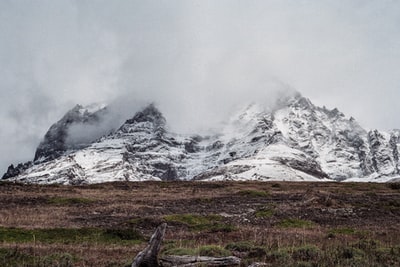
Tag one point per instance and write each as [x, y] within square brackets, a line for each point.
[292, 140]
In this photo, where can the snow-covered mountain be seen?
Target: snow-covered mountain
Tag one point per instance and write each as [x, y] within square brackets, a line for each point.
[292, 140]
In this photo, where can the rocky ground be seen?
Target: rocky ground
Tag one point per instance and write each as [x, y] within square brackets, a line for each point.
[281, 223]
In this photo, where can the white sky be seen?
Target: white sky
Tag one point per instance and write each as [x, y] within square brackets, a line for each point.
[195, 59]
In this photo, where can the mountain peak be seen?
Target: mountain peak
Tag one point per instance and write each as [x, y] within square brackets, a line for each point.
[148, 114]
[148, 119]
[54, 142]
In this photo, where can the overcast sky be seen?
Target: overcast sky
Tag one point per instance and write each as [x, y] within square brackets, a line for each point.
[195, 59]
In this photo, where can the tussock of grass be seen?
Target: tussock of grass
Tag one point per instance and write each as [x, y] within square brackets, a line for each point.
[278, 256]
[181, 251]
[67, 236]
[253, 193]
[347, 231]
[295, 223]
[264, 213]
[344, 231]
[210, 223]
[208, 250]
[213, 251]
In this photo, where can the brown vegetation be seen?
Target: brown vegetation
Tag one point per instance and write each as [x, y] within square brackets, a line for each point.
[281, 223]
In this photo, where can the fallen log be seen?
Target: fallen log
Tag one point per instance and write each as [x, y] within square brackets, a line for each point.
[193, 261]
[149, 256]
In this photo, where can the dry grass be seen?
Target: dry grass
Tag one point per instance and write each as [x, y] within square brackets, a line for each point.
[288, 224]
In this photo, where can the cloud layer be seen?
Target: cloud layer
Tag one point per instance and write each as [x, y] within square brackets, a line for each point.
[195, 59]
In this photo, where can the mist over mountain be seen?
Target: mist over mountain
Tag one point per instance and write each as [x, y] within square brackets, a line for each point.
[286, 137]
[198, 61]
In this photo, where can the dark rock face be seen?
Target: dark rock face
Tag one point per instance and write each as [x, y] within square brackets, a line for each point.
[148, 114]
[165, 171]
[384, 153]
[15, 171]
[308, 166]
[192, 145]
[54, 144]
[149, 144]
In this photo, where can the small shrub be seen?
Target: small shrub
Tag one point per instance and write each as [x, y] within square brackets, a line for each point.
[330, 235]
[243, 246]
[220, 227]
[306, 253]
[257, 252]
[351, 253]
[278, 256]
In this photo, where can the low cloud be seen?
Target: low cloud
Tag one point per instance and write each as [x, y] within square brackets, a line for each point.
[196, 60]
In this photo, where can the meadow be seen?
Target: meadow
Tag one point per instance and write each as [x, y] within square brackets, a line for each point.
[279, 223]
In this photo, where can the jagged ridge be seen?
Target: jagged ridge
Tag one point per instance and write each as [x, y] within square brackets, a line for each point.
[293, 140]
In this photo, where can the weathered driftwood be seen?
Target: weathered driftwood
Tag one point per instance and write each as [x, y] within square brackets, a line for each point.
[193, 261]
[149, 256]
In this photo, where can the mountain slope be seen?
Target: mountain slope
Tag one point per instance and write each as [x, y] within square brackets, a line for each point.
[292, 140]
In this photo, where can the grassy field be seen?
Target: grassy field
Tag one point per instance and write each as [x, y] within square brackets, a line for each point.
[280, 223]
